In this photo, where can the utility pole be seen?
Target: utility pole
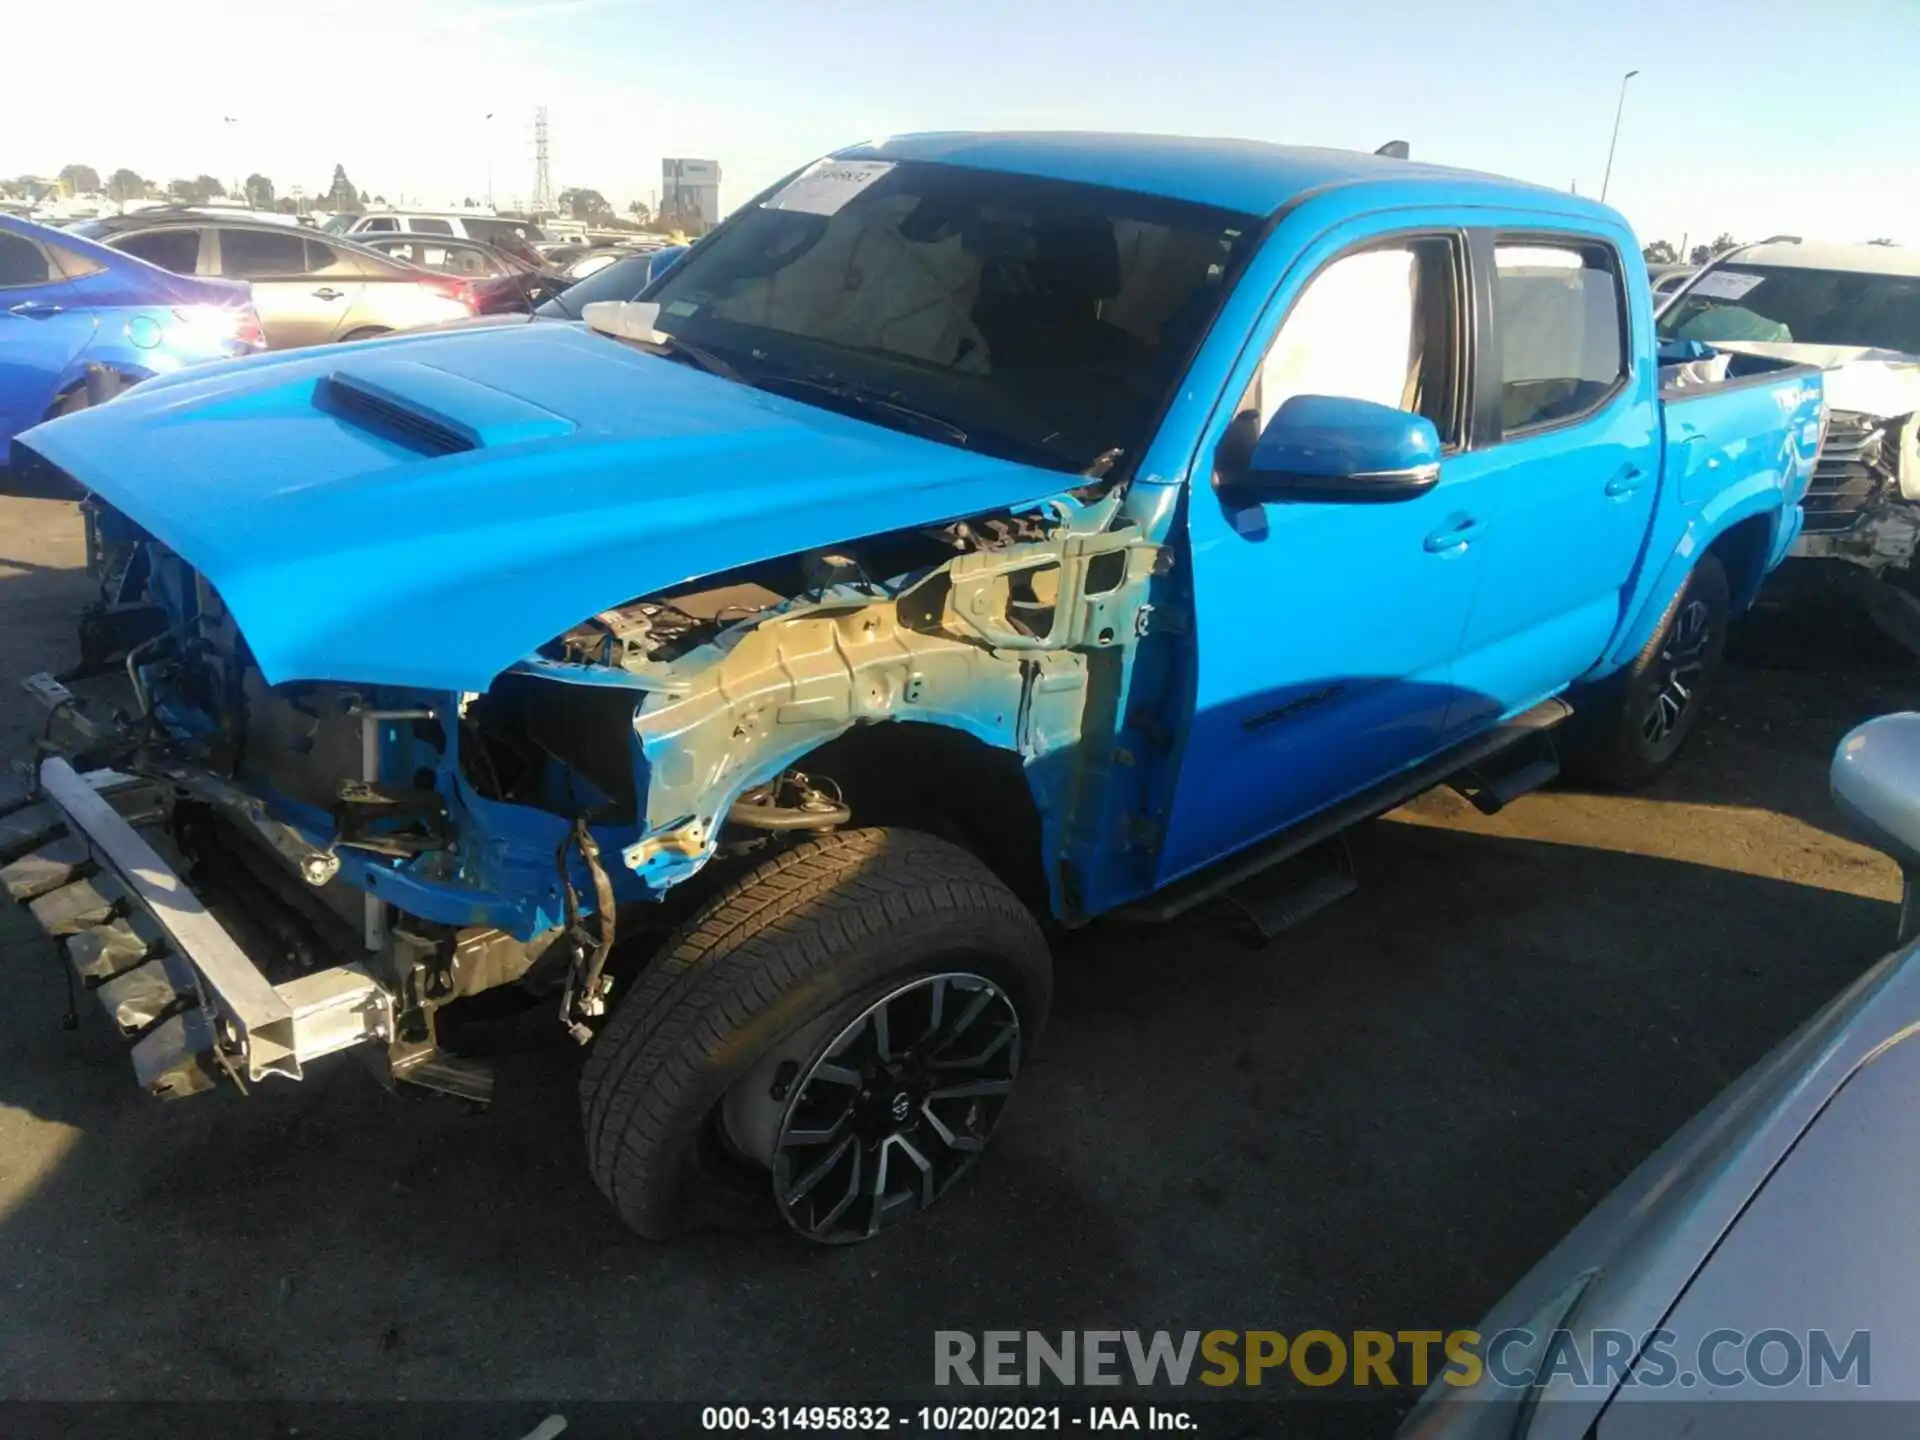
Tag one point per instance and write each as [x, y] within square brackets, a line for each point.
[542, 175]
[489, 124]
[1618, 110]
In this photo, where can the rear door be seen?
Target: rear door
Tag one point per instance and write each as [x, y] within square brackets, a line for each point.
[1566, 478]
[297, 306]
[43, 329]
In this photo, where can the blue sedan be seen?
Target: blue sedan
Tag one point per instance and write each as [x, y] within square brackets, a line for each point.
[70, 308]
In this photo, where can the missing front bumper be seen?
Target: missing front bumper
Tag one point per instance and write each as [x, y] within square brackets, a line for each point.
[170, 975]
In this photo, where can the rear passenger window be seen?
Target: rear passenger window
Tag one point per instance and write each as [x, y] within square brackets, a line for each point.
[423, 226]
[175, 250]
[74, 266]
[21, 263]
[323, 259]
[380, 222]
[1562, 326]
[249, 254]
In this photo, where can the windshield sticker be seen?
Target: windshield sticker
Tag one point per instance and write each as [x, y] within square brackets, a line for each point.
[825, 186]
[1724, 285]
[681, 307]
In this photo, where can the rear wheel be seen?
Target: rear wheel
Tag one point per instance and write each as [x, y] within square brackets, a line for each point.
[1630, 727]
[832, 1040]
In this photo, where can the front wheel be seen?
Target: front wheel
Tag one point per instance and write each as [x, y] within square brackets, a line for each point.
[832, 1040]
[1629, 728]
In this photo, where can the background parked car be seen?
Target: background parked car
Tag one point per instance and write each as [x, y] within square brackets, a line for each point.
[624, 279]
[308, 288]
[68, 304]
[1780, 1213]
[1667, 279]
[502, 283]
[516, 237]
[1853, 310]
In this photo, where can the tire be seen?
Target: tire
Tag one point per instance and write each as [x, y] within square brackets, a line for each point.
[1629, 728]
[688, 1092]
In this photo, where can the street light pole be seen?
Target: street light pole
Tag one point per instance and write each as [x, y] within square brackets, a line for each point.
[489, 125]
[1612, 144]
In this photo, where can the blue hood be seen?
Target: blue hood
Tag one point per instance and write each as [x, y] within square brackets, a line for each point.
[427, 510]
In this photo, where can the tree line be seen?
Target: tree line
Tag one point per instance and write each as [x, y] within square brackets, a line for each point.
[257, 190]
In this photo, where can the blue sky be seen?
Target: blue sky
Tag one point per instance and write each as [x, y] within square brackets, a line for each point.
[1751, 117]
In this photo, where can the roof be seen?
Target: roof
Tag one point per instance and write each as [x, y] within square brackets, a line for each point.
[1250, 176]
[1830, 255]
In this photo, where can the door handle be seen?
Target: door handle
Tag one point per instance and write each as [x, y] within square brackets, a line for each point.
[1631, 478]
[327, 292]
[35, 309]
[1452, 536]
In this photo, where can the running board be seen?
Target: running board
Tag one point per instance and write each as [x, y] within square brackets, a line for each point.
[1499, 780]
[1197, 889]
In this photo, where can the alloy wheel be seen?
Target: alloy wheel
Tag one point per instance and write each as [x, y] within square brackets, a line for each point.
[890, 1112]
[1683, 659]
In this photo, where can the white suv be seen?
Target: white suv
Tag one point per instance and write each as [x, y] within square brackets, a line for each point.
[466, 225]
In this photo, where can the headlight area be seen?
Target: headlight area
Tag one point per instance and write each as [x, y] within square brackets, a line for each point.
[369, 855]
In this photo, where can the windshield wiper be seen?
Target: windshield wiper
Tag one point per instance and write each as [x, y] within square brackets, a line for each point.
[865, 400]
[672, 347]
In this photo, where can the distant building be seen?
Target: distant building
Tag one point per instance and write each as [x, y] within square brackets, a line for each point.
[690, 194]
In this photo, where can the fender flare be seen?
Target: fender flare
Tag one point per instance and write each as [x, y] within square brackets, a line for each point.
[1702, 532]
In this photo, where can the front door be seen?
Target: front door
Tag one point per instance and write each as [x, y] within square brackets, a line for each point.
[1326, 631]
[1567, 474]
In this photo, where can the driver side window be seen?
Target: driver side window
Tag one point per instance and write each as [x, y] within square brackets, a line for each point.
[1379, 324]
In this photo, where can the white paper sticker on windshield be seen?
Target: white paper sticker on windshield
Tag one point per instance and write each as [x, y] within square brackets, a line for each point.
[827, 185]
[1724, 285]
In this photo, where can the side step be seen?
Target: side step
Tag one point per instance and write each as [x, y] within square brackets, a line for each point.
[1502, 778]
[1531, 727]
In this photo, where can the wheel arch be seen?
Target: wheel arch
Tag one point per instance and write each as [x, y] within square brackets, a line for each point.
[1741, 537]
[922, 775]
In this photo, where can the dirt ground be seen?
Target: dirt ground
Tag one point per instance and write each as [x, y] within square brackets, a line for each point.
[1379, 1121]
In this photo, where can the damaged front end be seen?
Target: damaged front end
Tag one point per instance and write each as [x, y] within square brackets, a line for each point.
[1863, 504]
[337, 864]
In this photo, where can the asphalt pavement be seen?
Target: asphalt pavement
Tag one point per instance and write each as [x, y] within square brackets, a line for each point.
[1379, 1121]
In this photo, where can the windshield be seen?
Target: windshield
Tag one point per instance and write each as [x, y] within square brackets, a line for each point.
[1774, 304]
[622, 280]
[1035, 319]
[339, 224]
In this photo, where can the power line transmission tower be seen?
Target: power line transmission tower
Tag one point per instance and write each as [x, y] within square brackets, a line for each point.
[542, 176]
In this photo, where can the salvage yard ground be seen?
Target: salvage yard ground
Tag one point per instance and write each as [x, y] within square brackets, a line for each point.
[1379, 1121]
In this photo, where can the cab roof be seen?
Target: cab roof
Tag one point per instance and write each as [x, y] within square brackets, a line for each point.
[1249, 176]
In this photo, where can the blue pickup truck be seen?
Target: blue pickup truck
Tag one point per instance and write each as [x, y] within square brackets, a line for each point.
[975, 534]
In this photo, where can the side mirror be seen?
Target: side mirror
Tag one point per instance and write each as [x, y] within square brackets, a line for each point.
[1328, 447]
[1876, 784]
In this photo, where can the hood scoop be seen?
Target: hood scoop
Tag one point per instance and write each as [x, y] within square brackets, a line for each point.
[432, 411]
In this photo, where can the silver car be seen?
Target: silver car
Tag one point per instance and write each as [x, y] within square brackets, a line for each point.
[308, 288]
[1760, 1275]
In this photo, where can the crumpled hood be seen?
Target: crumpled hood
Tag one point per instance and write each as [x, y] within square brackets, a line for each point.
[1860, 378]
[427, 510]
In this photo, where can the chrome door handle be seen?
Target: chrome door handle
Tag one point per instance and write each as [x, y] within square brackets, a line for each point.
[35, 309]
[327, 292]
